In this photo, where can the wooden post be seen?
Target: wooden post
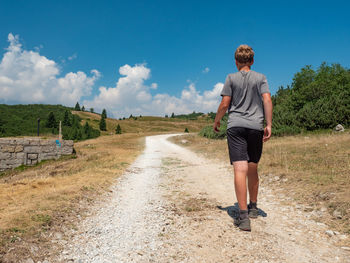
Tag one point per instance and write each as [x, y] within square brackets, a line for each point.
[38, 126]
[60, 132]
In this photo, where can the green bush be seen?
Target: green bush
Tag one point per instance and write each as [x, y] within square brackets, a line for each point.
[118, 130]
[316, 100]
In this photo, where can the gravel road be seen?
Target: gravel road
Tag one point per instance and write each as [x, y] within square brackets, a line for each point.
[175, 206]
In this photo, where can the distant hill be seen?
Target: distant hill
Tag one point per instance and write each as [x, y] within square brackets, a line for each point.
[21, 120]
[137, 124]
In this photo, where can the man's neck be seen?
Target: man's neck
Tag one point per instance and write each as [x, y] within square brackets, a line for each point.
[245, 68]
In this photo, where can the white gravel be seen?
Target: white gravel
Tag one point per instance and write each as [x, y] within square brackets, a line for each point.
[137, 222]
[126, 225]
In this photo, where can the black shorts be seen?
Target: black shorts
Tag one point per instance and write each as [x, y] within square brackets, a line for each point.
[244, 144]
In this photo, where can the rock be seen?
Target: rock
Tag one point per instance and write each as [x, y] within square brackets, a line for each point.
[321, 224]
[339, 128]
[58, 235]
[4, 156]
[308, 208]
[343, 237]
[276, 178]
[32, 156]
[34, 249]
[346, 248]
[323, 209]
[337, 214]
[28, 260]
[329, 233]
[184, 141]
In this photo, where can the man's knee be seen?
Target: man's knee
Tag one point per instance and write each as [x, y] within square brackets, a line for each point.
[240, 166]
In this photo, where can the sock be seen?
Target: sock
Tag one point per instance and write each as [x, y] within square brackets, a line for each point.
[243, 214]
[252, 205]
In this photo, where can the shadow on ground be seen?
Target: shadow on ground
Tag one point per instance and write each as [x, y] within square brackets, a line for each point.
[233, 211]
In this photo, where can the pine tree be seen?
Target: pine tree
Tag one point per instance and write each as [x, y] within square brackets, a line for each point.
[173, 115]
[66, 120]
[166, 116]
[131, 116]
[83, 108]
[186, 130]
[92, 110]
[118, 130]
[51, 121]
[104, 113]
[87, 130]
[77, 107]
[2, 130]
[103, 126]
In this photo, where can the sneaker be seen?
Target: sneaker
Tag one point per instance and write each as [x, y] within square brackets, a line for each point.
[253, 211]
[243, 224]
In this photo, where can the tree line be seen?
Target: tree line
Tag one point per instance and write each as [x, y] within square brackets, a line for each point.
[315, 100]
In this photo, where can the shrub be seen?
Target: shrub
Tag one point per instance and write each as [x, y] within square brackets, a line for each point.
[118, 130]
[103, 125]
[51, 121]
[104, 113]
[209, 132]
[77, 107]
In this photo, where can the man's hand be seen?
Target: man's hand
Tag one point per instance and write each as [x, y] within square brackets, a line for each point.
[216, 126]
[225, 102]
[267, 133]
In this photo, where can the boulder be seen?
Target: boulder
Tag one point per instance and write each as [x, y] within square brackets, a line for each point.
[339, 128]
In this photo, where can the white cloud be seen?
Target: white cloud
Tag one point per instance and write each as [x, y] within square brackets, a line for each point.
[154, 86]
[206, 70]
[132, 96]
[74, 56]
[28, 77]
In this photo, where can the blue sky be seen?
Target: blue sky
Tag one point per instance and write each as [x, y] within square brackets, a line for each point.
[168, 43]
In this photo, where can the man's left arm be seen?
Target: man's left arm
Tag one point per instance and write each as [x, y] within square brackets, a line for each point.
[225, 103]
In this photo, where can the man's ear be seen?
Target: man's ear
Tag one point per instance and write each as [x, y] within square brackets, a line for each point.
[237, 64]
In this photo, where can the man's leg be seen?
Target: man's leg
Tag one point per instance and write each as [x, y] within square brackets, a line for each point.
[241, 172]
[253, 181]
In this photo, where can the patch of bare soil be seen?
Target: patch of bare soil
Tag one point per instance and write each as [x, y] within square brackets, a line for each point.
[201, 194]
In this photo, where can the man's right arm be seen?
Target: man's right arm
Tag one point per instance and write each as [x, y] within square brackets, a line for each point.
[268, 115]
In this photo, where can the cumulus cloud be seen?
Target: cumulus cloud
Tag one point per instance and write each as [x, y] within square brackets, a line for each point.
[28, 77]
[132, 96]
[206, 70]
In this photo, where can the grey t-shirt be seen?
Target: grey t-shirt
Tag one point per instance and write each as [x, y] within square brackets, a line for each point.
[246, 108]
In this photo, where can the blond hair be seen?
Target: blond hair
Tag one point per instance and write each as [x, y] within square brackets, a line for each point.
[244, 54]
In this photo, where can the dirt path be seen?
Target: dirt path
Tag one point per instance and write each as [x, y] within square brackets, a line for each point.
[174, 206]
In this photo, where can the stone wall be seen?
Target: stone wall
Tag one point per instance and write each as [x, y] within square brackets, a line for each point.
[29, 151]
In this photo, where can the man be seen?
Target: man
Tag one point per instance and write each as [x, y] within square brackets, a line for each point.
[247, 98]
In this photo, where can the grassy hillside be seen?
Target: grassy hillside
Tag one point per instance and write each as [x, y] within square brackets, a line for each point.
[22, 120]
[145, 123]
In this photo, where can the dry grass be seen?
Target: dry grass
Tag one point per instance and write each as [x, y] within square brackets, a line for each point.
[36, 199]
[315, 170]
[144, 124]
